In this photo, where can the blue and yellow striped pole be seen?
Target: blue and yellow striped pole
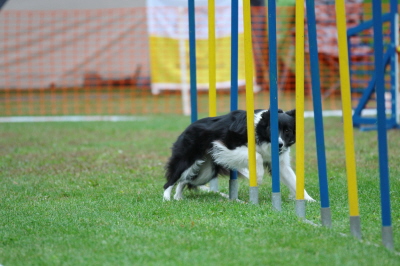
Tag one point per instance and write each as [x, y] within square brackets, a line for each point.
[250, 101]
[300, 202]
[355, 224]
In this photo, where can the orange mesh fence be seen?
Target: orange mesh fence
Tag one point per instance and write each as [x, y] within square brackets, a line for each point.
[106, 62]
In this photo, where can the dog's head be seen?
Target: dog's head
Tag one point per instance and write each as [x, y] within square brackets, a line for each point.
[287, 128]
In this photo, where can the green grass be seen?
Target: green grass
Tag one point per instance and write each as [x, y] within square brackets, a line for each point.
[91, 194]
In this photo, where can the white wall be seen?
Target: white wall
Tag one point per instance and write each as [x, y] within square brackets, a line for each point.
[70, 4]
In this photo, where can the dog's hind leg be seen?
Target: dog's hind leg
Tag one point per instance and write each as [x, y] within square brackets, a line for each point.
[179, 191]
[167, 193]
[186, 177]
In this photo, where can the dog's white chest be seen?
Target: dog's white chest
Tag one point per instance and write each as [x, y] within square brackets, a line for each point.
[265, 151]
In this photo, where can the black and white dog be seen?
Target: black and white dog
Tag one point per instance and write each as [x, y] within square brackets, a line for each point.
[214, 145]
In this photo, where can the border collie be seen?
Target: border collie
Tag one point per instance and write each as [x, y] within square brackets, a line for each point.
[215, 145]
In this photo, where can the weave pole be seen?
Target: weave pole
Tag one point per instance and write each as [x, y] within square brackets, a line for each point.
[192, 58]
[250, 102]
[394, 63]
[276, 190]
[233, 180]
[326, 218]
[355, 223]
[300, 207]
[387, 232]
[212, 70]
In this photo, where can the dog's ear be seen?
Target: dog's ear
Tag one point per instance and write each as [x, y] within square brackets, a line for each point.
[292, 113]
[280, 111]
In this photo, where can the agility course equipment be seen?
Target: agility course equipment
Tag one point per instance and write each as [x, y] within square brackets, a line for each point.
[250, 102]
[318, 120]
[387, 235]
[300, 202]
[390, 61]
[276, 191]
[233, 175]
[355, 224]
[212, 70]
[326, 220]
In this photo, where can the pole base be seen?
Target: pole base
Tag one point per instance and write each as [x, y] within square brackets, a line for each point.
[301, 208]
[355, 226]
[254, 195]
[277, 201]
[387, 237]
[233, 189]
[326, 217]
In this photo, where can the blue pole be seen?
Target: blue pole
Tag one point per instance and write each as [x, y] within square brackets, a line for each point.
[234, 54]
[192, 52]
[381, 115]
[318, 120]
[273, 100]
[233, 185]
[394, 59]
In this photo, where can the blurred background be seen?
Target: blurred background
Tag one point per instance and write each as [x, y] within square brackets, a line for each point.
[124, 57]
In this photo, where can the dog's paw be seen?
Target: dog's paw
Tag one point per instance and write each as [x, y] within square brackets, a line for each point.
[309, 199]
[178, 197]
[166, 198]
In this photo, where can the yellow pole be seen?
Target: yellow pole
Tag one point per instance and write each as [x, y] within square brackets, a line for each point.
[299, 99]
[212, 72]
[346, 106]
[249, 92]
[212, 93]
[355, 223]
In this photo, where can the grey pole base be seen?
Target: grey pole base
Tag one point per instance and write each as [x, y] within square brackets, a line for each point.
[233, 189]
[301, 208]
[355, 226]
[326, 217]
[387, 237]
[277, 201]
[254, 195]
[214, 185]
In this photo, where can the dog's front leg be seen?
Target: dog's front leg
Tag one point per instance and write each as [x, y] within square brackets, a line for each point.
[288, 177]
[259, 169]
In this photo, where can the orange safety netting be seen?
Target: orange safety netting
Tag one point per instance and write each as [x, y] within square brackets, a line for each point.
[98, 62]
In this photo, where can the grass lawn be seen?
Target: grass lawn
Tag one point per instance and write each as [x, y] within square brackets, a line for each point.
[91, 194]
